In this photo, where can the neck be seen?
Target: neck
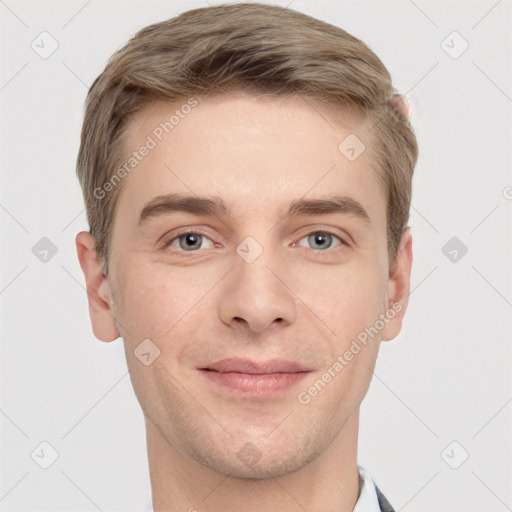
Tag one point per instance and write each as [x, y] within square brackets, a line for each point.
[330, 482]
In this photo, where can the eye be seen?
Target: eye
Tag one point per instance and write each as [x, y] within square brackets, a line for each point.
[320, 240]
[190, 242]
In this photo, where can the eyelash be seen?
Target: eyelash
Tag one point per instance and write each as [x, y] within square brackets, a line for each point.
[182, 252]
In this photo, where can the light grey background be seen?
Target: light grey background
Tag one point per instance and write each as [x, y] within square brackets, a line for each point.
[446, 378]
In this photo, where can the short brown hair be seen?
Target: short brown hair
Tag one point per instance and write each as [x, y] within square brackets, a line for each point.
[218, 49]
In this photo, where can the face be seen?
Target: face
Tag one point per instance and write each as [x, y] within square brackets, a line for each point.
[252, 253]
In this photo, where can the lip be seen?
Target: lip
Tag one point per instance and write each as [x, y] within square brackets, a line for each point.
[247, 366]
[251, 377]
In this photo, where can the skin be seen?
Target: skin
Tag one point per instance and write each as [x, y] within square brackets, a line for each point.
[297, 301]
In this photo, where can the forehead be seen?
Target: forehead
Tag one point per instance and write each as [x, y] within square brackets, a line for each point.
[258, 153]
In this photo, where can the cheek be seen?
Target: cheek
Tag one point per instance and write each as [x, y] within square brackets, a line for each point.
[148, 303]
[156, 300]
[348, 302]
[153, 305]
[347, 298]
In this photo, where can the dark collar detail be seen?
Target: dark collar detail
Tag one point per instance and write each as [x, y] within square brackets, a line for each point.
[384, 504]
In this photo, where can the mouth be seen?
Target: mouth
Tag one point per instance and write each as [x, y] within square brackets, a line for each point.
[250, 377]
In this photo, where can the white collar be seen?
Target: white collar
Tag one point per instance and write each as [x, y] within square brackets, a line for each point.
[367, 501]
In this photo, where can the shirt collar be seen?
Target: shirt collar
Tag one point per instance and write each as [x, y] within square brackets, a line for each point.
[368, 501]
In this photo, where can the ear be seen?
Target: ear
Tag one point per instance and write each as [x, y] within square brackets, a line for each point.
[399, 286]
[98, 288]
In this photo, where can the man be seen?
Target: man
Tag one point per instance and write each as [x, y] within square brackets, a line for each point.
[247, 176]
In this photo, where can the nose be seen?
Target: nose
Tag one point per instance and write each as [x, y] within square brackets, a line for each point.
[254, 296]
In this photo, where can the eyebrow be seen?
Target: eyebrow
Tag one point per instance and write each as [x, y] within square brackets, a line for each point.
[173, 203]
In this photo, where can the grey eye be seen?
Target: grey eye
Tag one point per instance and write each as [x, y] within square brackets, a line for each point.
[190, 241]
[320, 240]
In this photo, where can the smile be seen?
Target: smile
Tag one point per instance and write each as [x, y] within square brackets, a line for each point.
[250, 377]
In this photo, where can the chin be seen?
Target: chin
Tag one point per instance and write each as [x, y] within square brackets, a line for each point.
[252, 463]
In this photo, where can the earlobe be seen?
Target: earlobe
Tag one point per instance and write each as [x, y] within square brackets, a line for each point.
[98, 288]
[399, 287]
